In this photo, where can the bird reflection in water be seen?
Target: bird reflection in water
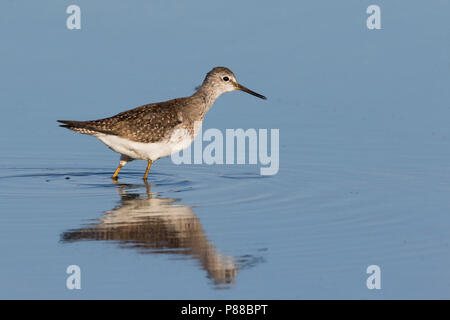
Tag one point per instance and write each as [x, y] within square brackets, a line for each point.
[158, 225]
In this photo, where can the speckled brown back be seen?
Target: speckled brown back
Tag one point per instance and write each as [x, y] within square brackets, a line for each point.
[148, 123]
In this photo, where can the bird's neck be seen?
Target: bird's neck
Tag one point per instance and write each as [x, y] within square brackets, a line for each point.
[205, 99]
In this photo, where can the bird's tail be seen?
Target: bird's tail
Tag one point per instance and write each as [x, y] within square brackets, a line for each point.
[78, 126]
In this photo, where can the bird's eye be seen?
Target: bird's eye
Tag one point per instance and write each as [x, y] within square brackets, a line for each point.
[225, 78]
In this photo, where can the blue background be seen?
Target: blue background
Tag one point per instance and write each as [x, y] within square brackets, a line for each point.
[364, 146]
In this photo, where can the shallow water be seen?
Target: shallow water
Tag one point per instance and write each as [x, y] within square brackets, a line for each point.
[364, 153]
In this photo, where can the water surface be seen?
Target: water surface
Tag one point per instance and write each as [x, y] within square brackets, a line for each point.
[364, 152]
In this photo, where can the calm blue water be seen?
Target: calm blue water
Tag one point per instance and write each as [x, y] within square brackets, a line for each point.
[364, 151]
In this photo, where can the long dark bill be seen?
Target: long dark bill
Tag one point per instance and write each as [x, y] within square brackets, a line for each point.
[242, 88]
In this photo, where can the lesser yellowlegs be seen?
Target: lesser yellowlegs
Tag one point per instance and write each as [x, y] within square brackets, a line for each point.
[157, 130]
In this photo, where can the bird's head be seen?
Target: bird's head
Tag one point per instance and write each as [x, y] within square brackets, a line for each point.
[221, 80]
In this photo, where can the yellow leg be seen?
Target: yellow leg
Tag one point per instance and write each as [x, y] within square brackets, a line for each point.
[123, 161]
[148, 169]
[117, 171]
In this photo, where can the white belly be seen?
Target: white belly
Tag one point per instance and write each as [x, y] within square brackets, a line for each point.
[147, 151]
